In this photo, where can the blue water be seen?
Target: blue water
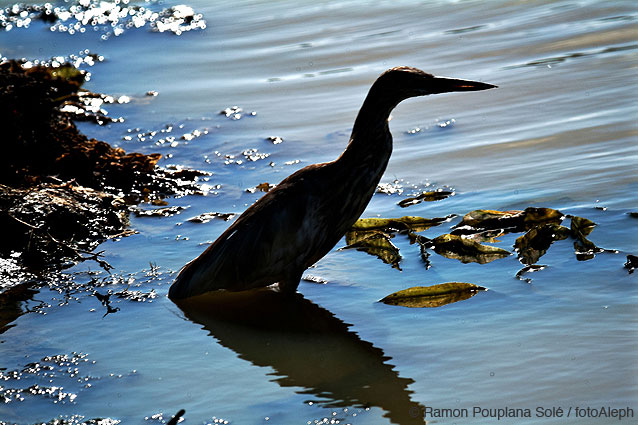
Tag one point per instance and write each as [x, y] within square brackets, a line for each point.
[559, 132]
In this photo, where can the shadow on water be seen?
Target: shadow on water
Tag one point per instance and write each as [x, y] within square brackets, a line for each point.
[12, 304]
[308, 347]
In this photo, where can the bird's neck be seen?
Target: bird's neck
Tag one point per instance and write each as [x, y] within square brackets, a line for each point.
[370, 144]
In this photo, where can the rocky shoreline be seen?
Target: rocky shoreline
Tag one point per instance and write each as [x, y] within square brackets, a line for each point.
[61, 193]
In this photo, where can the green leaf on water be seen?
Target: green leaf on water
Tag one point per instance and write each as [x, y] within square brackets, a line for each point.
[581, 227]
[490, 219]
[433, 296]
[533, 216]
[412, 223]
[584, 248]
[467, 250]
[509, 221]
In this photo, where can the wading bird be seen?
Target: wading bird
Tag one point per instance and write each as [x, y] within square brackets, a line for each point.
[299, 221]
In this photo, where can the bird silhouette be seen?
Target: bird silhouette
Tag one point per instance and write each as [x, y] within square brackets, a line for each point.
[299, 221]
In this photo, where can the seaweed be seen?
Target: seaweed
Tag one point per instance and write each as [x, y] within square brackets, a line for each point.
[433, 296]
[467, 250]
[541, 227]
[61, 193]
[431, 196]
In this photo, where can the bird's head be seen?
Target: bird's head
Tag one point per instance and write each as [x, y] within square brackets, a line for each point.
[403, 82]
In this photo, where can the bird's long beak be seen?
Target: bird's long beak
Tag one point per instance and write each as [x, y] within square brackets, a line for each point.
[444, 85]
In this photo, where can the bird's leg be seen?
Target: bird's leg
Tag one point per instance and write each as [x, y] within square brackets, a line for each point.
[289, 284]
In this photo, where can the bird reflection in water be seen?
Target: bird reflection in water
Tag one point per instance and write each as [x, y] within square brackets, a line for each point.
[308, 347]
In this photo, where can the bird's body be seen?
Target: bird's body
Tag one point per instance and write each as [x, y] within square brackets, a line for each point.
[299, 221]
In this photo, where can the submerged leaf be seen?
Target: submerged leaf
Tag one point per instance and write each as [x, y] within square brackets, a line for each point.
[534, 244]
[425, 196]
[433, 296]
[375, 243]
[466, 250]
[415, 224]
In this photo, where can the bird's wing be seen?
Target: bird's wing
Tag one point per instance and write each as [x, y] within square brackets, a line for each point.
[267, 243]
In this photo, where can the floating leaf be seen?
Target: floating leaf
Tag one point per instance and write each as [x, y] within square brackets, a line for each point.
[584, 248]
[433, 296]
[490, 219]
[489, 236]
[534, 216]
[466, 250]
[581, 227]
[415, 224]
[510, 221]
[375, 243]
[373, 235]
[586, 251]
[425, 196]
[534, 244]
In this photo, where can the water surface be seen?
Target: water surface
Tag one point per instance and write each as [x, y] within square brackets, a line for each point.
[559, 132]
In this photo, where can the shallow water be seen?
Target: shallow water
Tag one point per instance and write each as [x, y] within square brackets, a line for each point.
[559, 132]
